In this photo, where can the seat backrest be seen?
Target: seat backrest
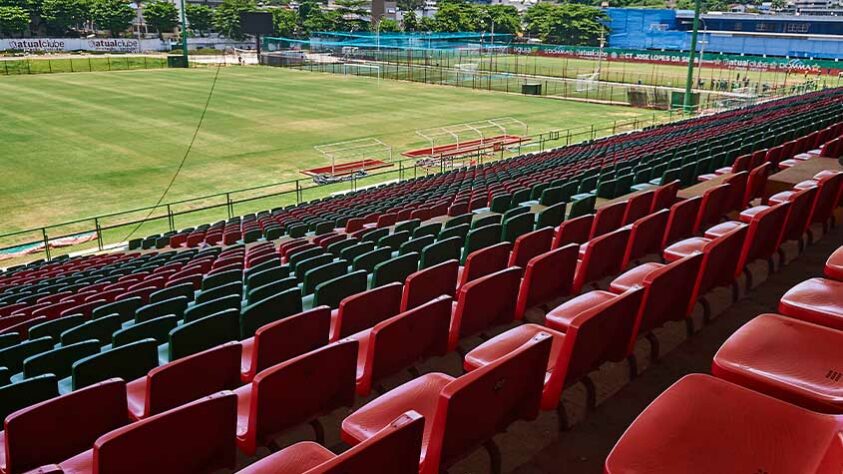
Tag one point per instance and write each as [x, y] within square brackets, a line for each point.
[59, 428]
[482, 237]
[290, 337]
[127, 362]
[363, 310]
[158, 329]
[485, 261]
[681, 221]
[573, 231]
[715, 202]
[59, 361]
[205, 428]
[400, 341]
[720, 261]
[646, 236]
[332, 292]
[667, 293]
[665, 196]
[478, 405]
[485, 302]
[265, 311]
[441, 251]
[764, 234]
[547, 276]
[233, 288]
[175, 306]
[198, 311]
[827, 197]
[607, 219]
[395, 270]
[517, 226]
[367, 261]
[427, 284]
[755, 184]
[27, 392]
[125, 307]
[12, 357]
[738, 182]
[99, 329]
[603, 257]
[529, 245]
[204, 333]
[302, 388]
[799, 215]
[174, 384]
[270, 289]
[638, 206]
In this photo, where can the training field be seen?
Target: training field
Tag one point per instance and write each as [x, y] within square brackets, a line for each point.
[79, 145]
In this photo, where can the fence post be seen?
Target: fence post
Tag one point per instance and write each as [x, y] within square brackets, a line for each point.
[592, 131]
[298, 193]
[228, 204]
[99, 232]
[171, 220]
[46, 243]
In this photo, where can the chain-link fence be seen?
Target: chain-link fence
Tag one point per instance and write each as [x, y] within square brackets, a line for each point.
[43, 65]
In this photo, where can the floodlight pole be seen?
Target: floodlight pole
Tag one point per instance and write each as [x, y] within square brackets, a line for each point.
[689, 82]
[184, 34]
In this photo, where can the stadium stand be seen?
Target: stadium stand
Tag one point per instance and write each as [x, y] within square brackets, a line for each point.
[335, 295]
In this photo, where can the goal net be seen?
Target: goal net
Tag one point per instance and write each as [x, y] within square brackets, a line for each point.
[361, 69]
[587, 82]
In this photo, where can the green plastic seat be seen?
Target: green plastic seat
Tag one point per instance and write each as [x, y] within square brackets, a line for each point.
[270, 289]
[323, 228]
[332, 292]
[517, 226]
[458, 231]
[272, 233]
[522, 195]
[416, 244]
[269, 310]
[182, 289]
[129, 362]
[486, 220]
[623, 184]
[11, 338]
[582, 207]
[537, 190]
[295, 259]
[393, 241]
[409, 226]
[687, 175]
[125, 308]
[16, 396]
[158, 329]
[208, 308]
[395, 270]
[54, 328]
[323, 273]
[368, 260]
[234, 288]
[551, 216]
[606, 189]
[175, 306]
[264, 277]
[12, 357]
[501, 203]
[336, 248]
[374, 235]
[551, 196]
[59, 362]
[99, 330]
[441, 251]
[515, 211]
[587, 185]
[355, 251]
[481, 238]
[203, 333]
[297, 230]
[221, 278]
[457, 221]
[307, 265]
[427, 229]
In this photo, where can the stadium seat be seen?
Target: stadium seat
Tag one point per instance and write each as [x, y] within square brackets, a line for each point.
[681, 221]
[189, 378]
[332, 292]
[607, 219]
[547, 277]
[158, 329]
[398, 342]
[427, 284]
[638, 206]
[127, 362]
[714, 204]
[324, 380]
[205, 428]
[816, 300]
[529, 245]
[270, 289]
[485, 302]
[573, 231]
[226, 303]
[365, 309]
[725, 428]
[61, 427]
[784, 358]
[441, 251]
[479, 238]
[12, 357]
[491, 398]
[59, 361]
[268, 310]
[100, 330]
[395, 270]
[396, 448]
[833, 266]
[204, 333]
[646, 236]
[18, 395]
[483, 262]
[603, 256]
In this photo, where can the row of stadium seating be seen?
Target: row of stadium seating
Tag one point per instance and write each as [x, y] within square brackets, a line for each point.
[772, 402]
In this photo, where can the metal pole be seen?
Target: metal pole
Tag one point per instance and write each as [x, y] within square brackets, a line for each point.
[691, 56]
[46, 243]
[184, 34]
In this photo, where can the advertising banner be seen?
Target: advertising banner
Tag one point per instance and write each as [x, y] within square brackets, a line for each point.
[102, 45]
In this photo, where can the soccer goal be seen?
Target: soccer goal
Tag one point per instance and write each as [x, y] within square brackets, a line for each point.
[361, 69]
[587, 82]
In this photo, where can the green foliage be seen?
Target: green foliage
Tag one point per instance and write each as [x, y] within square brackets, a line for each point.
[453, 17]
[351, 14]
[285, 21]
[409, 5]
[410, 21]
[199, 18]
[161, 15]
[566, 23]
[705, 5]
[504, 18]
[62, 15]
[13, 20]
[227, 17]
[112, 15]
[389, 26]
[427, 24]
[318, 20]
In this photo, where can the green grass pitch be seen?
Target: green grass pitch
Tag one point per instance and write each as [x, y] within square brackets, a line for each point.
[79, 145]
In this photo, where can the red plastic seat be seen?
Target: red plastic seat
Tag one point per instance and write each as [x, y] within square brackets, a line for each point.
[785, 358]
[646, 236]
[400, 341]
[834, 265]
[680, 222]
[184, 380]
[665, 196]
[464, 412]
[62, 427]
[294, 392]
[196, 437]
[715, 203]
[529, 245]
[394, 449]
[282, 340]
[548, 276]
[484, 303]
[573, 231]
[354, 224]
[607, 219]
[602, 258]
[427, 284]
[483, 262]
[817, 300]
[755, 184]
[704, 425]
[737, 190]
[364, 310]
[638, 206]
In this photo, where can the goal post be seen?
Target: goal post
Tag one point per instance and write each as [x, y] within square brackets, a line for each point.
[355, 69]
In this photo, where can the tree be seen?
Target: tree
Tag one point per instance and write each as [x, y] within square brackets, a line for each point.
[453, 17]
[505, 19]
[285, 21]
[63, 15]
[161, 15]
[227, 17]
[427, 23]
[388, 25]
[566, 23]
[13, 20]
[409, 5]
[318, 20]
[410, 21]
[352, 13]
[112, 15]
[199, 18]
